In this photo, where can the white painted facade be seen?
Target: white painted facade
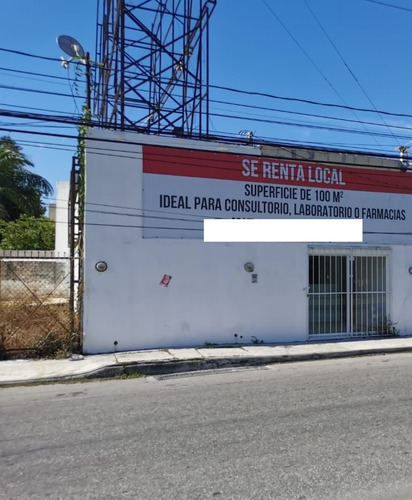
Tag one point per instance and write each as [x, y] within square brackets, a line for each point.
[209, 297]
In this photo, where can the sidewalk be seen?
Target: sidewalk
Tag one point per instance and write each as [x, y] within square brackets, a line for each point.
[166, 361]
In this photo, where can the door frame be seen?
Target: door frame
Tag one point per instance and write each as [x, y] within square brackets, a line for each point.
[350, 252]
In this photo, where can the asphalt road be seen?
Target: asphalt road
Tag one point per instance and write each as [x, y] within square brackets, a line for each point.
[338, 429]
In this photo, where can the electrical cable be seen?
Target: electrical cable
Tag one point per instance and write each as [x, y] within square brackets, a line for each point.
[21, 77]
[27, 54]
[310, 59]
[246, 92]
[192, 229]
[260, 140]
[346, 65]
[107, 152]
[273, 122]
[36, 109]
[223, 139]
[71, 85]
[314, 64]
[33, 73]
[228, 103]
[300, 113]
[184, 161]
[38, 91]
[317, 127]
[255, 117]
[389, 5]
[77, 121]
[307, 101]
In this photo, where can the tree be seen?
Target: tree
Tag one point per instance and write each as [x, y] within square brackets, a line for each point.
[21, 190]
[27, 233]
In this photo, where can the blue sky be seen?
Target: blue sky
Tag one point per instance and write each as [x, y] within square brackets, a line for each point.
[353, 52]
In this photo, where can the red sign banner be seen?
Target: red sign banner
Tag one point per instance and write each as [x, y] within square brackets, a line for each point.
[257, 169]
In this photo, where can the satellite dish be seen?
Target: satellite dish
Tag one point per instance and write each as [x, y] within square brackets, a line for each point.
[70, 46]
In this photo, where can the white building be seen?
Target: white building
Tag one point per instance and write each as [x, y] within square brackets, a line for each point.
[146, 198]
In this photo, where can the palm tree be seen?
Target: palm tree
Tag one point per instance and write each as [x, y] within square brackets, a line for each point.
[21, 190]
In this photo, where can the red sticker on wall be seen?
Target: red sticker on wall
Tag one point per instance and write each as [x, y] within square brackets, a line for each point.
[165, 280]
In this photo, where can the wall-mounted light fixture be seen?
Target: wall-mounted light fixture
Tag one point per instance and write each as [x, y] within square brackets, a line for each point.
[101, 266]
[410, 270]
[249, 267]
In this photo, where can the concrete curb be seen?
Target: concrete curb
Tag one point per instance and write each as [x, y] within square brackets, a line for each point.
[170, 367]
[196, 365]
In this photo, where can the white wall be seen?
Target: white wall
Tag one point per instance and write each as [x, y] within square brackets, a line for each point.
[209, 299]
[401, 288]
[211, 296]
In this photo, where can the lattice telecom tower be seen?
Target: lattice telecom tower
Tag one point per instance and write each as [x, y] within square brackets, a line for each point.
[152, 66]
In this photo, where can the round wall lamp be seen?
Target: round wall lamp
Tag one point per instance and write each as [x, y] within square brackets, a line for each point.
[410, 270]
[249, 267]
[101, 266]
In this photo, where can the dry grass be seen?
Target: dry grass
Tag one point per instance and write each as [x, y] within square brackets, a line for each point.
[35, 315]
[36, 329]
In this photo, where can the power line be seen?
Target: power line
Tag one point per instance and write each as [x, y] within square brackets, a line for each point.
[313, 62]
[33, 73]
[317, 127]
[27, 54]
[231, 103]
[346, 66]
[41, 117]
[309, 115]
[221, 139]
[364, 179]
[105, 205]
[217, 87]
[389, 5]
[21, 77]
[308, 101]
[231, 165]
[144, 216]
[224, 139]
[36, 124]
[234, 104]
[190, 229]
[38, 91]
[78, 121]
[261, 139]
[131, 226]
[258, 107]
[36, 109]
[302, 49]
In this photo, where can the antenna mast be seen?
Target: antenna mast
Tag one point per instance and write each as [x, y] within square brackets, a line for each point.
[152, 71]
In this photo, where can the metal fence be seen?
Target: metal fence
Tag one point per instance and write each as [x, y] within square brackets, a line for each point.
[37, 308]
[349, 293]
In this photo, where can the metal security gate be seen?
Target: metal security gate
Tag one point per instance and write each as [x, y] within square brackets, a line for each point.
[37, 318]
[348, 293]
